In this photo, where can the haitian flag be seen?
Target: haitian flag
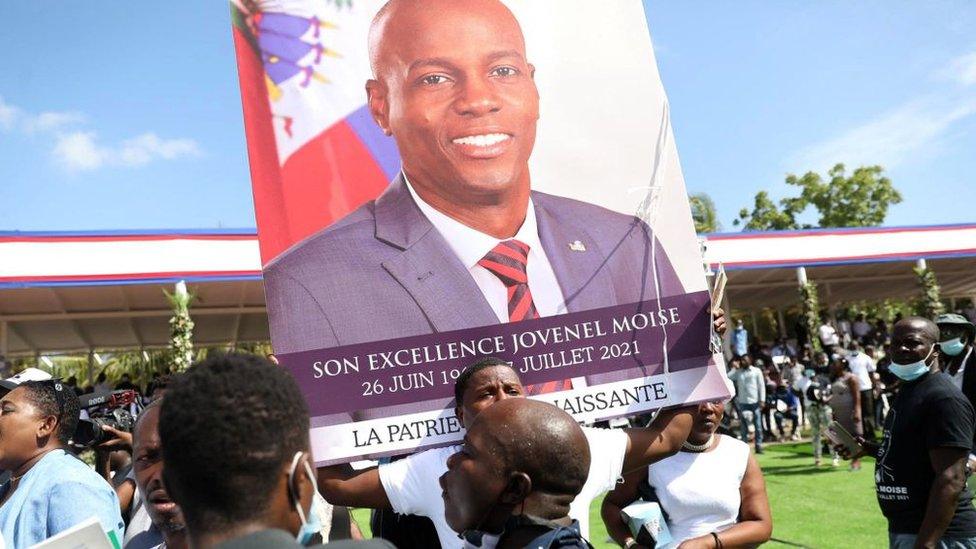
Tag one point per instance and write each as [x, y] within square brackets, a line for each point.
[314, 150]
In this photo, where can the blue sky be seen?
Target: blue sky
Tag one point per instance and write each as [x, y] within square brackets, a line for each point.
[122, 115]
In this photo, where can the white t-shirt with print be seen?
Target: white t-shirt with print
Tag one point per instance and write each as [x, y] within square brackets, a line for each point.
[413, 488]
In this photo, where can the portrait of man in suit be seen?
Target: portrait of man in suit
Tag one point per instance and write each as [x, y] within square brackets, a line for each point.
[459, 239]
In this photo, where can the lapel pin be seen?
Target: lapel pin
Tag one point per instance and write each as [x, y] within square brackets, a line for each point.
[577, 246]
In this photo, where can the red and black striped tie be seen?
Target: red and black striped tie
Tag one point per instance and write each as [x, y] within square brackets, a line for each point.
[508, 261]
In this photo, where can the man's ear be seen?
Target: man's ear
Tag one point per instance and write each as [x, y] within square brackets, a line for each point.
[518, 488]
[302, 481]
[47, 427]
[376, 98]
[459, 413]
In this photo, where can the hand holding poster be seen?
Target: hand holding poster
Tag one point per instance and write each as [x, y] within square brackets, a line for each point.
[506, 186]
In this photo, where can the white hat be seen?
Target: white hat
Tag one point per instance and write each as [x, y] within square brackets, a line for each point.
[30, 374]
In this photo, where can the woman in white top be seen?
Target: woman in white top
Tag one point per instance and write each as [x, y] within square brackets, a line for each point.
[712, 491]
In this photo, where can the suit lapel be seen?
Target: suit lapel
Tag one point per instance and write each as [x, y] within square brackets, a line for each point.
[427, 268]
[583, 276]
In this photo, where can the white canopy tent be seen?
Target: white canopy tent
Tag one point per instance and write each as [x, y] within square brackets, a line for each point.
[81, 292]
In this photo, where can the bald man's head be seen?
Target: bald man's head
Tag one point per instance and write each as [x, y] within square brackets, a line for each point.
[540, 440]
[399, 21]
[517, 451]
[453, 87]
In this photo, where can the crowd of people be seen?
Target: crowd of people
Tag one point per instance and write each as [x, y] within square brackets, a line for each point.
[915, 383]
[220, 456]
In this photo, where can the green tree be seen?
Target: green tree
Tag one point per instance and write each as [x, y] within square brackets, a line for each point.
[767, 216]
[810, 299]
[929, 304]
[181, 327]
[703, 213]
[860, 199]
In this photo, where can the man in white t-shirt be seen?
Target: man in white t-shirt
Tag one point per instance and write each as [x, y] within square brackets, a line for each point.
[863, 368]
[861, 328]
[410, 486]
[828, 334]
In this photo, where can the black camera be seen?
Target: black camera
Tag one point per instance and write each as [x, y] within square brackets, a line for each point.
[111, 409]
[819, 391]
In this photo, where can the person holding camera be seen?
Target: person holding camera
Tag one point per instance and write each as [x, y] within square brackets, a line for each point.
[49, 490]
[816, 389]
[712, 491]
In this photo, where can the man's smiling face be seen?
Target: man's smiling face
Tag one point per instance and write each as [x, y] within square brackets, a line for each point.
[456, 92]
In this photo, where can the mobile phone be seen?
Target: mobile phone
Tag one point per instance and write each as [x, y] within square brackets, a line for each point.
[839, 436]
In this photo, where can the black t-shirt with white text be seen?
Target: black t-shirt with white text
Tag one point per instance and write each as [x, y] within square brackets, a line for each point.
[929, 413]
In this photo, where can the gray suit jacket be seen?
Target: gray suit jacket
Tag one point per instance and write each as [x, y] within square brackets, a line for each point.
[384, 272]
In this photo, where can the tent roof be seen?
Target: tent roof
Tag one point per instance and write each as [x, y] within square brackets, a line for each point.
[856, 264]
[63, 292]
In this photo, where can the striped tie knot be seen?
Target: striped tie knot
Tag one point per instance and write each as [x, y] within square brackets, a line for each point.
[507, 261]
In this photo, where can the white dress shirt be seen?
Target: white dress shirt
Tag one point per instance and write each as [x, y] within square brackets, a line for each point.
[471, 245]
[862, 367]
[957, 378]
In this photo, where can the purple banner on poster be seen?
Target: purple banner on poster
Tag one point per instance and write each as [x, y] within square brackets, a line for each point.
[587, 344]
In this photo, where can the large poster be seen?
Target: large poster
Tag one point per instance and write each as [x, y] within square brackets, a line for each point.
[440, 181]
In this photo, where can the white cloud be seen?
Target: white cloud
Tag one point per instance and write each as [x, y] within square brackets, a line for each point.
[149, 146]
[893, 138]
[78, 149]
[81, 151]
[962, 69]
[913, 131]
[51, 121]
[8, 114]
[13, 117]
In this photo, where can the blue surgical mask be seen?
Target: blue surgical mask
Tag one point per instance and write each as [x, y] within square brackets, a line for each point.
[311, 524]
[913, 371]
[808, 372]
[952, 347]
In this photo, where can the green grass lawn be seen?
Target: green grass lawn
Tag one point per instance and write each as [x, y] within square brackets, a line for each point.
[823, 507]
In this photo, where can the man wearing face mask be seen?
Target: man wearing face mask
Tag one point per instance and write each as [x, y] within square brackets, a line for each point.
[956, 335]
[920, 476]
[234, 435]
